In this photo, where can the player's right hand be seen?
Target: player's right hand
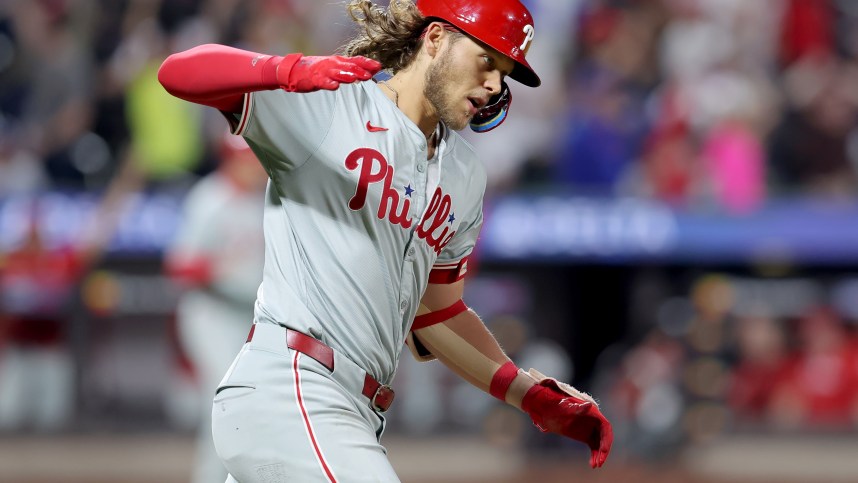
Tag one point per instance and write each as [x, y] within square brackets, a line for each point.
[312, 73]
[553, 410]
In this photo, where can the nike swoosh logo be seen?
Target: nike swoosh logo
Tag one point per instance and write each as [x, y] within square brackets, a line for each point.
[371, 128]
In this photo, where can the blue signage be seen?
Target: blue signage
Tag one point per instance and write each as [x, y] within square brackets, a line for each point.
[516, 229]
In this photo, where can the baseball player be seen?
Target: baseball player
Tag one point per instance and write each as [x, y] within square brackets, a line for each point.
[373, 207]
[217, 256]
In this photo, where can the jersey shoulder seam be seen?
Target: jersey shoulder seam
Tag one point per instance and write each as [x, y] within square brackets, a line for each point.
[322, 139]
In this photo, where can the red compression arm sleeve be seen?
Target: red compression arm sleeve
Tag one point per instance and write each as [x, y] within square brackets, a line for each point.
[219, 76]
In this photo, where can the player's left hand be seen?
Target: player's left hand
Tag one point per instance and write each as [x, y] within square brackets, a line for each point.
[312, 73]
[553, 408]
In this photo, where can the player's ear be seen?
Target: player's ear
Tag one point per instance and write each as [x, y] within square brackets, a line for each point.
[433, 38]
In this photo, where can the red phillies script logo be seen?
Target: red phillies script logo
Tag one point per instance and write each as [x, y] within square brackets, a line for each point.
[374, 168]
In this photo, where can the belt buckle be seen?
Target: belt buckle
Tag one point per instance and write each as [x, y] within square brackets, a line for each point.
[383, 398]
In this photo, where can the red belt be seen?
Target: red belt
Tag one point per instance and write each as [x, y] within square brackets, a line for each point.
[380, 395]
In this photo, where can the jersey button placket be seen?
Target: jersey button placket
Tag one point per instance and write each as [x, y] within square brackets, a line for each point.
[420, 181]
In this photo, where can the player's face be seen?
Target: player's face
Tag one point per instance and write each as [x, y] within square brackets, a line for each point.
[463, 78]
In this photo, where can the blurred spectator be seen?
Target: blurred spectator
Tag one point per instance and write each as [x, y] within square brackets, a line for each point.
[705, 374]
[734, 162]
[669, 167]
[645, 397]
[761, 365]
[166, 136]
[604, 130]
[605, 123]
[218, 257]
[37, 286]
[55, 117]
[810, 151]
[807, 30]
[820, 389]
[21, 172]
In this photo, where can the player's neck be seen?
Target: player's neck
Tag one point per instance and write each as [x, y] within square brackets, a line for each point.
[405, 89]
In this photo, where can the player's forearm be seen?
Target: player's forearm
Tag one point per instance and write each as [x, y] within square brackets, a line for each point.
[219, 75]
[466, 346]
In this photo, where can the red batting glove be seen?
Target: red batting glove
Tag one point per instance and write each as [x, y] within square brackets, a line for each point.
[555, 411]
[298, 73]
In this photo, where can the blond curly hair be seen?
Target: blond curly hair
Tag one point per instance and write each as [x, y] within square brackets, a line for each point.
[391, 36]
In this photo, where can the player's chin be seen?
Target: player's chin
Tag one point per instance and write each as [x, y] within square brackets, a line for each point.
[459, 122]
[456, 118]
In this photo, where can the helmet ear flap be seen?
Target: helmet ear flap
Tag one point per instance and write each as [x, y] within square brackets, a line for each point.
[494, 113]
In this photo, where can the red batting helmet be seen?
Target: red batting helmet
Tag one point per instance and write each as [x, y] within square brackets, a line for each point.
[504, 25]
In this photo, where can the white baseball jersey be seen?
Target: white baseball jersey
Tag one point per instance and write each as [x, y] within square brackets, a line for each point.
[357, 219]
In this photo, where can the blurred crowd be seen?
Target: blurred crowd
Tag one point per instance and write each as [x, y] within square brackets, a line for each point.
[732, 354]
[80, 105]
[707, 355]
[707, 103]
[701, 104]
[711, 103]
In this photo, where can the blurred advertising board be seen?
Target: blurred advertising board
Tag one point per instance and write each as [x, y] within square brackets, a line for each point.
[627, 230]
[517, 229]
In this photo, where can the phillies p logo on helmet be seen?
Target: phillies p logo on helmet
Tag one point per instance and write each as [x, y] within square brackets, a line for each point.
[529, 32]
[504, 25]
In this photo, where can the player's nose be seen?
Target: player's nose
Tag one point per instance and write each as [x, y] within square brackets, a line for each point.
[493, 82]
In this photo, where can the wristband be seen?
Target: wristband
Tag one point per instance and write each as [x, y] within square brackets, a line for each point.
[502, 380]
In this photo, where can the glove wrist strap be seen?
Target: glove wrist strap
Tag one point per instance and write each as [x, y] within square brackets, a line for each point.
[282, 70]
